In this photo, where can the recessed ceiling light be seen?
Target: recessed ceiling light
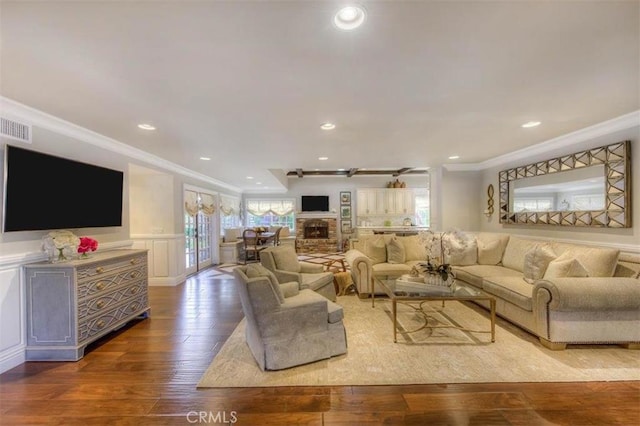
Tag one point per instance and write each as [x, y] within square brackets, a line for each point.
[454, 157]
[249, 177]
[341, 170]
[323, 158]
[350, 17]
[146, 126]
[531, 124]
[205, 158]
[328, 126]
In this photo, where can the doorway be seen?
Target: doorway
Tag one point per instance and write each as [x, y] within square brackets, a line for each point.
[199, 230]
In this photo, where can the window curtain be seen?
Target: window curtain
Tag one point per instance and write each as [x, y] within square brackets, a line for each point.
[277, 207]
[196, 201]
[229, 206]
[191, 202]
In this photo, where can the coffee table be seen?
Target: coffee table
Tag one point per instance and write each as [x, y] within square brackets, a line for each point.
[461, 292]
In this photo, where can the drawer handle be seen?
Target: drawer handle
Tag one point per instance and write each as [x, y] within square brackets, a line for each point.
[132, 261]
[100, 270]
[100, 304]
[134, 307]
[100, 285]
[132, 275]
[100, 324]
[134, 290]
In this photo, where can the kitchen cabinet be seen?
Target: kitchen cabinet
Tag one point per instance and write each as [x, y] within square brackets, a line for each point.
[385, 202]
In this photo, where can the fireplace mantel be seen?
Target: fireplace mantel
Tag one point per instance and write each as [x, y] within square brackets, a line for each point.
[317, 215]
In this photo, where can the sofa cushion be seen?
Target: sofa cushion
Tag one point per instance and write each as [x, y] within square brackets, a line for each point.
[536, 262]
[336, 313]
[565, 266]
[255, 270]
[513, 257]
[375, 249]
[599, 262]
[413, 248]
[512, 289]
[286, 260]
[461, 249]
[395, 251]
[390, 268]
[491, 247]
[474, 274]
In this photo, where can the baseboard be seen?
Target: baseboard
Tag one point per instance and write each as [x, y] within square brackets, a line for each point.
[167, 281]
[12, 358]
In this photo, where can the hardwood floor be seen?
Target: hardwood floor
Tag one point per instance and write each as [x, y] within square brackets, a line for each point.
[146, 374]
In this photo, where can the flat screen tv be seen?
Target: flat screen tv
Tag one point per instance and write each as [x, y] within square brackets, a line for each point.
[42, 191]
[315, 203]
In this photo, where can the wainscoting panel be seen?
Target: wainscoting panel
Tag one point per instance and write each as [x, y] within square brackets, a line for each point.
[12, 319]
[166, 263]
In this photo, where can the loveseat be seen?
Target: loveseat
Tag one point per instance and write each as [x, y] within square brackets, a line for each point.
[563, 293]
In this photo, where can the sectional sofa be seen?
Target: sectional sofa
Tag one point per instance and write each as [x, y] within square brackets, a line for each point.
[563, 293]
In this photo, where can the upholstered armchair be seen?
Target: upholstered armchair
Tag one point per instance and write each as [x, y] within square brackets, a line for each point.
[283, 262]
[286, 326]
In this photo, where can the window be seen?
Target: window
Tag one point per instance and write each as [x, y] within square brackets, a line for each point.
[271, 213]
[539, 204]
[229, 212]
[422, 217]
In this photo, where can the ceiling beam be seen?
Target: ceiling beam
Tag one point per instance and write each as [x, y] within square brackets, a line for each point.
[401, 171]
[352, 172]
[299, 172]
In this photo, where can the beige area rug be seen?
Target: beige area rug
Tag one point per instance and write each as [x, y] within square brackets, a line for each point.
[440, 355]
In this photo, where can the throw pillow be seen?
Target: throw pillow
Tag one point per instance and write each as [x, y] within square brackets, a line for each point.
[413, 248]
[460, 249]
[256, 270]
[286, 259]
[395, 251]
[565, 266]
[491, 247]
[513, 257]
[536, 262]
[376, 249]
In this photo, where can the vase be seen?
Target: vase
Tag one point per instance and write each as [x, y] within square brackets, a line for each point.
[58, 255]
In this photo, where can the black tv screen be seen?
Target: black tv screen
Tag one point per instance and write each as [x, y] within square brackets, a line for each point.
[315, 203]
[42, 191]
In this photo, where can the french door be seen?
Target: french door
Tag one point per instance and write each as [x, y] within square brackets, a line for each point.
[199, 230]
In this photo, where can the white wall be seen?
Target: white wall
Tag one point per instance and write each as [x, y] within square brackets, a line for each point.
[461, 195]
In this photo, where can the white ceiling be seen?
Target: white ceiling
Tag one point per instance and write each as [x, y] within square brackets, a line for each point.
[248, 83]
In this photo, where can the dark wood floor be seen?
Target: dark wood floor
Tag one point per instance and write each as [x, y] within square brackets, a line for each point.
[146, 374]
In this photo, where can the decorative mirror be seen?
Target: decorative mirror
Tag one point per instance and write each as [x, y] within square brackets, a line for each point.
[588, 188]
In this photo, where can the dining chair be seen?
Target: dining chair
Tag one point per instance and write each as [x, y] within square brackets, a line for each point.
[252, 246]
[276, 237]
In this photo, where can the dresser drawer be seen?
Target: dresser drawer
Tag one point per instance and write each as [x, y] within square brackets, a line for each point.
[107, 283]
[108, 320]
[104, 301]
[91, 272]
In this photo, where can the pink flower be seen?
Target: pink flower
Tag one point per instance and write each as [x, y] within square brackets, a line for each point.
[87, 244]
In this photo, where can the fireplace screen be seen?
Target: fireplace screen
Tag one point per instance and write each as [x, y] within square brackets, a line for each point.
[315, 229]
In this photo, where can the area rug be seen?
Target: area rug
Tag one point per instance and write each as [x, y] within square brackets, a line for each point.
[438, 355]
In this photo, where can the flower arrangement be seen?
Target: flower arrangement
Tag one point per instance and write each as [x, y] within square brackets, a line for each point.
[438, 247]
[60, 245]
[86, 245]
[260, 229]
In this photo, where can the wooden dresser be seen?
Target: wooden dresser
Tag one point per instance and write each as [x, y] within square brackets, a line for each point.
[72, 304]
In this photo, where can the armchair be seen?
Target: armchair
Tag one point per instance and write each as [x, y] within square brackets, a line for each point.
[287, 326]
[283, 262]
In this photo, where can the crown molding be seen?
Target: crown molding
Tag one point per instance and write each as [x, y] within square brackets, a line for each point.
[623, 122]
[41, 119]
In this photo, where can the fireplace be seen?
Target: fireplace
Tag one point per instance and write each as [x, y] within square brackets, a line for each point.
[316, 233]
[315, 229]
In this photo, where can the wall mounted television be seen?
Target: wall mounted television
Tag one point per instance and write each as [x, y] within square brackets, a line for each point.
[315, 203]
[43, 192]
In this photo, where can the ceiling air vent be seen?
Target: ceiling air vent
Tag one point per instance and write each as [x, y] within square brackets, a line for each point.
[14, 130]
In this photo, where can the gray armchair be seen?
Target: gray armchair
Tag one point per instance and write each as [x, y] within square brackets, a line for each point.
[283, 262]
[287, 326]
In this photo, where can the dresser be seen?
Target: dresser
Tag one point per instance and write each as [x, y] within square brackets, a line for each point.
[72, 304]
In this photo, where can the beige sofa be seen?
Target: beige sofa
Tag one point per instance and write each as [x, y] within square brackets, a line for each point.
[563, 293]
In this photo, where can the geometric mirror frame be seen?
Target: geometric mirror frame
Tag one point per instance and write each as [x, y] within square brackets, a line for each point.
[616, 159]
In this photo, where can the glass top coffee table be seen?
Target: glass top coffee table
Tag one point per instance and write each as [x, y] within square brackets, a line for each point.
[398, 290]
